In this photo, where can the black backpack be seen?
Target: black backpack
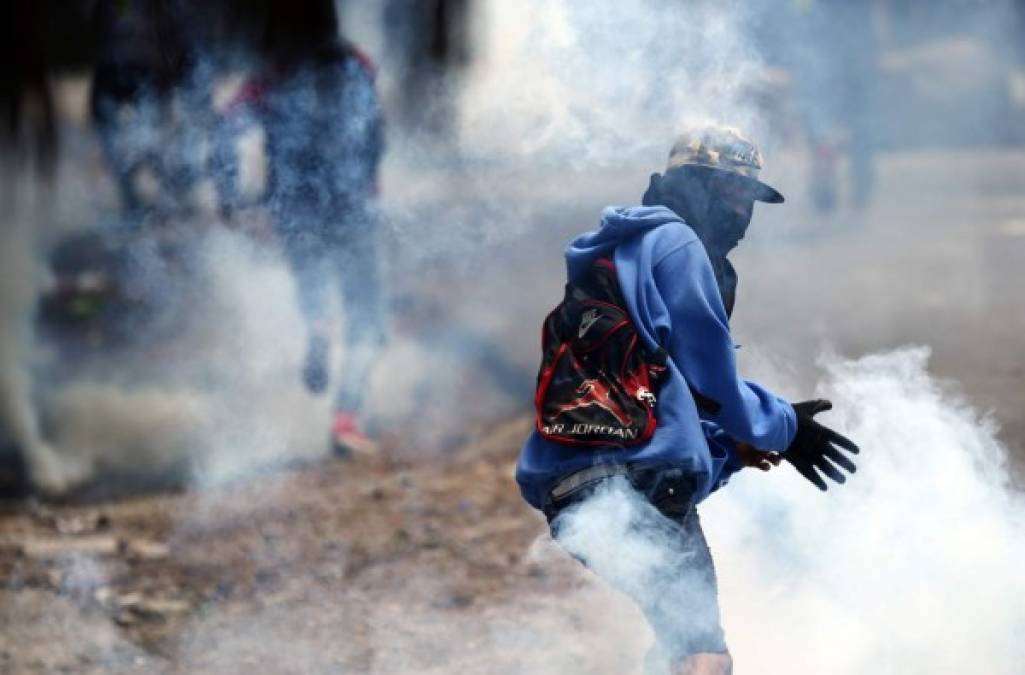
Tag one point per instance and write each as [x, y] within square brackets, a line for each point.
[597, 381]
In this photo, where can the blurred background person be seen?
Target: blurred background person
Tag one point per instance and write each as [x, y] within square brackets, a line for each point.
[831, 49]
[314, 96]
[28, 154]
[151, 98]
[139, 59]
[428, 45]
[26, 102]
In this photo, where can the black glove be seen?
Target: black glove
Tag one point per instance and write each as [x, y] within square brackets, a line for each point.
[815, 446]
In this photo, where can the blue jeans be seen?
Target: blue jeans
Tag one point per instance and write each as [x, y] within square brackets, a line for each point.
[341, 255]
[674, 584]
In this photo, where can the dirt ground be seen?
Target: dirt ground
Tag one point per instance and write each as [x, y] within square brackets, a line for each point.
[361, 566]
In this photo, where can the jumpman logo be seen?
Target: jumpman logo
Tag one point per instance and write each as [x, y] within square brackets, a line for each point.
[594, 392]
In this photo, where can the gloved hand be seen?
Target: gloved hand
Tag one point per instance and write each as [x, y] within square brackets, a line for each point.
[816, 446]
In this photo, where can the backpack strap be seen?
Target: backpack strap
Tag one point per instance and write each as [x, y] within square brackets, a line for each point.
[660, 356]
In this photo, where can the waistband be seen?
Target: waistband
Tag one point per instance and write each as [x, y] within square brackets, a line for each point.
[574, 481]
[670, 489]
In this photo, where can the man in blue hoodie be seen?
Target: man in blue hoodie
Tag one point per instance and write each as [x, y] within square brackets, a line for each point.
[669, 258]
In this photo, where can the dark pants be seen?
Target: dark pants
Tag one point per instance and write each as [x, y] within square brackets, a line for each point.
[115, 86]
[341, 254]
[662, 560]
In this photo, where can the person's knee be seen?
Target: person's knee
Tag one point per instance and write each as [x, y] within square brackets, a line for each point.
[706, 663]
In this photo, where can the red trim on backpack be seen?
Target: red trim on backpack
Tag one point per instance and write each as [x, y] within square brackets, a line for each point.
[598, 396]
[606, 337]
[546, 379]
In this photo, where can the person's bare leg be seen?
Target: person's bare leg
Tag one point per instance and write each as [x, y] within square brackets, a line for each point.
[706, 663]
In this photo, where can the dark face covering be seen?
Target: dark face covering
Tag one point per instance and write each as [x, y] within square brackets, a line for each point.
[725, 224]
[718, 212]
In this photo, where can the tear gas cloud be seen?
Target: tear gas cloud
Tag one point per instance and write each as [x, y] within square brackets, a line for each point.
[221, 399]
[911, 567]
[592, 84]
[21, 281]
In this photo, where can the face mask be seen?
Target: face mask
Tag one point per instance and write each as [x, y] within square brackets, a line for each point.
[726, 224]
[726, 213]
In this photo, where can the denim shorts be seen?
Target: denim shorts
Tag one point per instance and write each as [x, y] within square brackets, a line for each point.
[681, 603]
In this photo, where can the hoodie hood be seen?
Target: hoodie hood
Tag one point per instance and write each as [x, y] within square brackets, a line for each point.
[618, 223]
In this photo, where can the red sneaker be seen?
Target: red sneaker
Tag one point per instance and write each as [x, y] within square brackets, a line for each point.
[347, 438]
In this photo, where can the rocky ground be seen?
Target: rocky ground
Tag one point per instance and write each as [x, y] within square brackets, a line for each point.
[338, 566]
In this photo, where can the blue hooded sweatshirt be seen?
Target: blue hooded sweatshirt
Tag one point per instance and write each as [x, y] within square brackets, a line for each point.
[671, 293]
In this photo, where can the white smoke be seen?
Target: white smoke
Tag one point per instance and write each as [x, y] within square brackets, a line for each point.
[217, 399]
[228, 399]
[589, 84]
[913, 566]
[22, 279]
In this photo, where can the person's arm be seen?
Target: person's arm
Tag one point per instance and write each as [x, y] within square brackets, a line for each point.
[738, 455]
[699, 343]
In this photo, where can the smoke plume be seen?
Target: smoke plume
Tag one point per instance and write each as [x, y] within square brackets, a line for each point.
[21, 279]
[913, 566]
[591, 84]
